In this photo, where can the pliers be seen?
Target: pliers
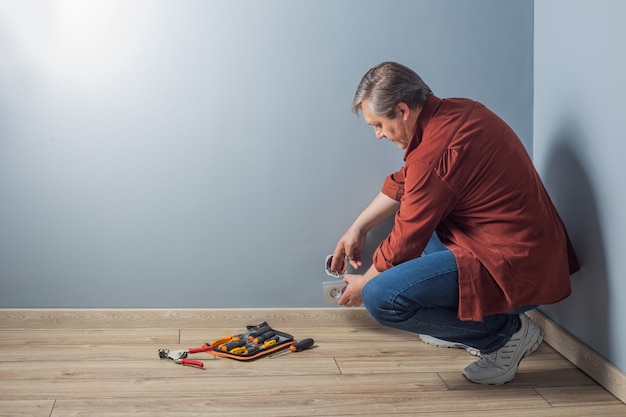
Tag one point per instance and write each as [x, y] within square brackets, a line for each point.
[180, 356]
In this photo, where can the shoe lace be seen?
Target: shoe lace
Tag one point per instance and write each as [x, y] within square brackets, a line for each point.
[502, 356]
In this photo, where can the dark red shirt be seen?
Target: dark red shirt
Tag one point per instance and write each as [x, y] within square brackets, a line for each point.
[468, 177]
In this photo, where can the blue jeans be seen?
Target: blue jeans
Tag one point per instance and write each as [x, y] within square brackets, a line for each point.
[422, 296]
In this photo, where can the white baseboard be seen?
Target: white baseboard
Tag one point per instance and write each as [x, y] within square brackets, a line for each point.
[594, 365]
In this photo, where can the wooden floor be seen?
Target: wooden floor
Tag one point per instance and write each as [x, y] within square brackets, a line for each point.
[68, 363]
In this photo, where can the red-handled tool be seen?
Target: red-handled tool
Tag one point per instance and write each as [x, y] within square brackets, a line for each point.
[180, 356]
[189, 362]
[200, 349]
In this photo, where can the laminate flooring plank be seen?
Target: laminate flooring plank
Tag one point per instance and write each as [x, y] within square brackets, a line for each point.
[577, 396]
[204, 385]
[443, 360]
[524, 378]
[336, 404]
[159, 368]
[403, 365]
[88, 352]
[87, 336]
[584, 411]
[26, 408]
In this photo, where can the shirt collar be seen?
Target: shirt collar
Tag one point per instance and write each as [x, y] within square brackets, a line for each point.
[428, 111]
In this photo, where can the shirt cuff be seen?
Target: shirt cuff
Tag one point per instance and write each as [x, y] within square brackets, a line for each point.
[393, 188]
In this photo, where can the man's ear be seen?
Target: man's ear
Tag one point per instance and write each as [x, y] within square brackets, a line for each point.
[403, 110]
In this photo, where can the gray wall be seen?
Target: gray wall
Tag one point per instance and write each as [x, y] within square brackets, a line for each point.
[203, 153]
[580, 62]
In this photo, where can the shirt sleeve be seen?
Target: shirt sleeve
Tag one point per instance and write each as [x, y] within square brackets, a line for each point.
[393, 186]
[425, 199]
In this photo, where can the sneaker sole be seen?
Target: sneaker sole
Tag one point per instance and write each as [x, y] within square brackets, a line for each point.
[429, 340]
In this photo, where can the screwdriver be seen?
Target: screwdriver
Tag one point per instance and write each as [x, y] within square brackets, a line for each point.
[270, 342]
[255, 333]
[265, 336]
[227, 347]
[222, 341]
[296, 347]
[239, 350]
[253, 350]
[216, 343]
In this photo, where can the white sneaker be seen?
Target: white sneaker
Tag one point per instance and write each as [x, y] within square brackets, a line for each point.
[501, 366]
[445, 344]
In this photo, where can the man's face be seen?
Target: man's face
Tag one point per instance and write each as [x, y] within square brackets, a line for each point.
[394, 129]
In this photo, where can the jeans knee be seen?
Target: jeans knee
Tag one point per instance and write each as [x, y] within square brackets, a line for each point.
[367, 294]
[373, 297]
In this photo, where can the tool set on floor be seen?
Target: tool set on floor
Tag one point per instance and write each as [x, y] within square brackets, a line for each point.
[256, 342]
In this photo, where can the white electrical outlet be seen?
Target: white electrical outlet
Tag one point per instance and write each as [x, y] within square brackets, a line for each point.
[333, 291]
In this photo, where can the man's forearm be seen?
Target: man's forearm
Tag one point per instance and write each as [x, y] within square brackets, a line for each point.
[370, 273]
[381, 208]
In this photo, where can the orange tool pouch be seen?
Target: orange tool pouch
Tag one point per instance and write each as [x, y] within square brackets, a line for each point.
[258, 341]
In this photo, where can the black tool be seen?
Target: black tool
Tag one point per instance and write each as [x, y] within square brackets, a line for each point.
[227, 347]
[296, 347]
[259, 331]
[265, 336]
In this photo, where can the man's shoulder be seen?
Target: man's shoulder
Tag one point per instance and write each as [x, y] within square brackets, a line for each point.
[455, 112]
[446, 116]
[457, 105]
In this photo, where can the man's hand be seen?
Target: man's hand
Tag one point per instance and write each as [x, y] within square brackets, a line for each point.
[349, 246]
[351, 243]
[352, 294]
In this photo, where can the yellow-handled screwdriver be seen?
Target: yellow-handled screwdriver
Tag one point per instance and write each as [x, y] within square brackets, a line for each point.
[270, 342]
[234, 343]
[239, 350]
